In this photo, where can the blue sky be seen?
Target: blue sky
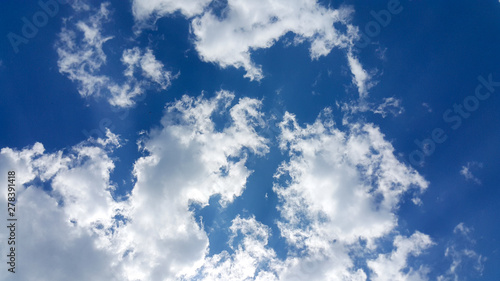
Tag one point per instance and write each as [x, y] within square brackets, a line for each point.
[251, 140]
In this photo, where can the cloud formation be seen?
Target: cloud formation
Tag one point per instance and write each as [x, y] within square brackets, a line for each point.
[467, 173]
[152, 234]
[245, 26]
[81, 59]
[228, 38]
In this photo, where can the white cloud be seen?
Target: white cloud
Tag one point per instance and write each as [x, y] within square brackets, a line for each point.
[334, 172]
[163, 239]
[250, 25]
[361, 78]
[145, 9]
[393, 266]
[427, 107]
[337, 189]
[339, 194]
[63, 227]
[390, 105]
[186, 161]
[251, 260]
[82, 60]
[467, 173]
[245, 26]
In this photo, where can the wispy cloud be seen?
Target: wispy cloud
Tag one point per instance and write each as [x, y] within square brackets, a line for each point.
[466, 171]
[390, 105]
[465, 262]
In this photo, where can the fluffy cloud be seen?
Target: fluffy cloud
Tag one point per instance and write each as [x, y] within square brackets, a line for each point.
[152, 235]
[145, 9]
[348, 184]
[61, 229]
[246, 26]
[188, 161]
[81, 58]
[228, 39]
[338, 189]
[251, 259]
[393, 266]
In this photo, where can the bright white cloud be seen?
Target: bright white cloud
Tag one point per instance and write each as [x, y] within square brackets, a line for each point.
[342, 191]
[229, 39]
[186, 161]
[393, 266]
[145, 9]
[82, 60]
[361, 78]
[337, 189]
[66, 225]
[348, 184]
[249, 25]
[251, 259]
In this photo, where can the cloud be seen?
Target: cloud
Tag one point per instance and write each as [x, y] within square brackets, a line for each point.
[81, 59]
[390, 105]
[463, 257]
[188, 161]
[64, 225]
[467, 173]
[361, 78]
[332, 171]
[251, 260]
[393, 266]
[246, 26]
[339, 192]
[152, 234]
[145, 9]
[229, 39]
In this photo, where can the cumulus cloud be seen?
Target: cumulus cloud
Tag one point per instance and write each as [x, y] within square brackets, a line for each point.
[337, 189]
[393, 266]
[339, 192]
[188, 161]
[242, 27]
[333, 172]
[151, 235]
[63, 226]
[246, 26]
[81, 59]
[145, 9]
[251, 260]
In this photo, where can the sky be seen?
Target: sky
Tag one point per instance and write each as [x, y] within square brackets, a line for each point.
[256, 140]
